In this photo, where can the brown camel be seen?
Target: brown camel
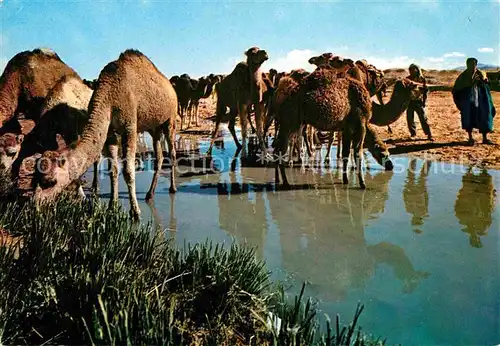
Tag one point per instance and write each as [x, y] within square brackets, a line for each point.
[238, 91]
[26, 81]
[132, 97]
[367, 74]
[329, 104]
[62, 120]
[321, 60]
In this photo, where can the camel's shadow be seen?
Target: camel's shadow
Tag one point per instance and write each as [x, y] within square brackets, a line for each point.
[423, 146]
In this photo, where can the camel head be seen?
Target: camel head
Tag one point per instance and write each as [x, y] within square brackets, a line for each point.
[92, 84]
[320, 60]
[52, 172]
[256, 56]
[10, 146]
[376, 83]
[378, 149]
[298, 75]
[342, 65]
[173, 80]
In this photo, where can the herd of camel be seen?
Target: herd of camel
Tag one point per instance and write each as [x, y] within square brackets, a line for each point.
[55, 125]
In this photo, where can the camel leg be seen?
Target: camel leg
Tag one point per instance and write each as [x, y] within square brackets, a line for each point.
[220, 112]
[169, 131]
[196, 114]
[188, 113]
[182, 118]
[339, 141]
[95, 181]
[129, 147]
[346, 150]
[251, 123]
[259, 123]
[113, 156]
[281, 146]
[214, 134]
[358, 138]
[243, 119]
[329, 146]
[156, 135]
[230, 126]
[306, 139]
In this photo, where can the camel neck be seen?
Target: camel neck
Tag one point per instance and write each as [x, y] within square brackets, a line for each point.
[254, 70]
[8, 99]
[390, 112]
[89, 148]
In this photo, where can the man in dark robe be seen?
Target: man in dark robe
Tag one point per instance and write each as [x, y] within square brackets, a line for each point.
[472, 97]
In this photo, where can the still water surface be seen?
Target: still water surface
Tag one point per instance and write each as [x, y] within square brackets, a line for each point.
[419, 248]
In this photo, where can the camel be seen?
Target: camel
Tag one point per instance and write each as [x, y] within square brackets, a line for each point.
[183, 88]
[329, 104]
[272, 75]
[201, 88]
[367, 74]
[238, 91]
[62, 120]
[27, 79]
[132, 97]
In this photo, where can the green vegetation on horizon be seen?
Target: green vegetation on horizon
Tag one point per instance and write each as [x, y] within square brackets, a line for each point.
[85, 274]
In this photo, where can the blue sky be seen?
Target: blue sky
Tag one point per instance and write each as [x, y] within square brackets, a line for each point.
[204, 37]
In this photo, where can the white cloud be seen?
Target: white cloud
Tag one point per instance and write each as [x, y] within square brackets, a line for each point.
[385, 63]
[295, 59]
[454, 55]
[298, 58]
[431, 59]
[485, 50]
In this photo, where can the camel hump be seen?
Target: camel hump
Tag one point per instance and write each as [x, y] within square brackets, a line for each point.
[130, 53]
[110, 68]
[286, 87]
[47, 52]
[362, 63]
[320, 78]
[23, 59]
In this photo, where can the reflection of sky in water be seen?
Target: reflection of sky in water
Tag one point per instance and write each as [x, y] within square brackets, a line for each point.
[419, 247]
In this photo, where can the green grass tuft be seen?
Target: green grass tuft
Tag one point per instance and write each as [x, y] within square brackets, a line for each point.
[85, 274]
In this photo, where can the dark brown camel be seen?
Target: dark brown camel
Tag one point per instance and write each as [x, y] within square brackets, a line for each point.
[329, 104]
[183, 88]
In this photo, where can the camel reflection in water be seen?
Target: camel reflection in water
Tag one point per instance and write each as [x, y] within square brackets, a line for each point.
[321, 227]
[242, 212]
[475, 204]
[323, 240]
[415, 194]
[158, 221]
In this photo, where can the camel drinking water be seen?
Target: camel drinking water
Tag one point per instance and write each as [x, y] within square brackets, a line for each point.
[132, 97]
[329, 104]
[24, 85]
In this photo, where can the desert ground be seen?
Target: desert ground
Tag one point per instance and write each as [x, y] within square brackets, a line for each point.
[444, 118]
